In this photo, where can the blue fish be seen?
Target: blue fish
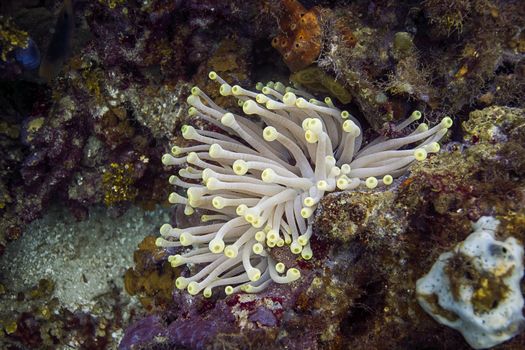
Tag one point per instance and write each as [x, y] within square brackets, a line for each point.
[28, 57]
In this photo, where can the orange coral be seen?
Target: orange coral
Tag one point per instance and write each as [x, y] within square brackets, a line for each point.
[300, 40]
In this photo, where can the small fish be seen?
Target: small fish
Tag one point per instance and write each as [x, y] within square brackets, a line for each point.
[28, 57]
[60, 44]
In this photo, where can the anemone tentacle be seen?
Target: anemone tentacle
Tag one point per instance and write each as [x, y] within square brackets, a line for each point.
[263, 176]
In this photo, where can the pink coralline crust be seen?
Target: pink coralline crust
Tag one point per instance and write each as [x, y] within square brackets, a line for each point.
[201, 322]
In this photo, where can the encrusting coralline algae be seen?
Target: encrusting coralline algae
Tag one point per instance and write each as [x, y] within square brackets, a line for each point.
[262, 179]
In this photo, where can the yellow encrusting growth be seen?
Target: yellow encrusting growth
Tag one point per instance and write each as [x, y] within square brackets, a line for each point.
[11, 37]
[257, 179]
[118, 183]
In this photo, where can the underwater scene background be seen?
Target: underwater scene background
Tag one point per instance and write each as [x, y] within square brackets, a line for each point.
[262, 174]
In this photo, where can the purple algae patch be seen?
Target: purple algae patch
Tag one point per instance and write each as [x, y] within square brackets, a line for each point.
[263, 317]
[142, 332]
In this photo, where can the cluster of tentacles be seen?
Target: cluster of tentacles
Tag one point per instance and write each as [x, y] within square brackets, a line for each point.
[259, 177]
